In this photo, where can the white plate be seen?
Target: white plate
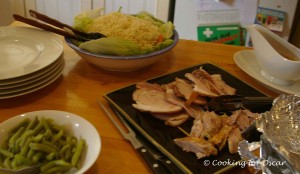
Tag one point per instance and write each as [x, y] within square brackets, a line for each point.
[246, 60]
[73, 124]
[32, 87]
[24, 50]
[35, 82]
[28, 77]
[52, 69]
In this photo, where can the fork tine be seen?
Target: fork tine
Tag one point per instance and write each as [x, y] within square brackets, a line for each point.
[113, 120]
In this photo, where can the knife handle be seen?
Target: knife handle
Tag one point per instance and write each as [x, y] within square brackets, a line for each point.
[170, 167]
[151, 161]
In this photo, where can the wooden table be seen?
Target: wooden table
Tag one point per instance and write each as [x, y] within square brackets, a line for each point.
[81, 84]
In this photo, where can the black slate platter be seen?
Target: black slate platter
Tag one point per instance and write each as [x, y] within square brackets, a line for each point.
[162, 136]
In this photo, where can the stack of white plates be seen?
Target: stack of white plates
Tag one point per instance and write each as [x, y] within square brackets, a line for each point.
[30, 59]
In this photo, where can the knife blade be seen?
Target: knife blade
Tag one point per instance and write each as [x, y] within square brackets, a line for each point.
[140, 148]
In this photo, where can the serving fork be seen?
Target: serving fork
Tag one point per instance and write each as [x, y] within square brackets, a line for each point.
[235, 102]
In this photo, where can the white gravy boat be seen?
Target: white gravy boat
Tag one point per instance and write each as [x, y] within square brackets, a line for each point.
[279, 60]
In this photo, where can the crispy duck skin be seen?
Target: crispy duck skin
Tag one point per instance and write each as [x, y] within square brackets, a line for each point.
[199, 146]
[221, 86]
[215, 82]
[220, 138]
[200, 87]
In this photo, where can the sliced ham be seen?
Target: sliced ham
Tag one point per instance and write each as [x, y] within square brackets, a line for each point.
[152, 100]
[185, 89]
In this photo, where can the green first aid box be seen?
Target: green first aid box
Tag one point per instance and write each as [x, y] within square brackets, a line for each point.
[225, 34]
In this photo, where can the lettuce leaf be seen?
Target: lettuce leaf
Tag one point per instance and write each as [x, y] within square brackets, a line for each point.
[82, 20]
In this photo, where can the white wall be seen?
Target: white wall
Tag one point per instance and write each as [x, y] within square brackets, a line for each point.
[186, 23]
[185, 19]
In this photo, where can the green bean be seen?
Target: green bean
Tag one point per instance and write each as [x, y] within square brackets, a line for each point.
[68, 154]
[21, 160]
[12, 140]
[45, 123]
[7, 163]
[58, 136]
[64, 149]
[42, 147]
[48, 134]
[51, 156]
[6, 153]
[40, 141]
[37, 138]
[79, 148]
[57, 169]
[55, 163]
[56, 128]
[25, 148]
[36, 157]
[30, 153]
[23, 123]
[32, 124]
[51, 144]
[25, 136]
[37, 128]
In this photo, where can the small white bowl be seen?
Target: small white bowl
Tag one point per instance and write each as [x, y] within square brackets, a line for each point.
[73, 124]
[123, 63]
[279, 60]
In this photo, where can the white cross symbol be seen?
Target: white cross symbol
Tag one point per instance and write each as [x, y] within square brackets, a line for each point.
[208, 32]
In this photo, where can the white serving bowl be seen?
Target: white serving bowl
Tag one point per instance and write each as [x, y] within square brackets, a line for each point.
[279, 60]
[123, 63]
[72, 124]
